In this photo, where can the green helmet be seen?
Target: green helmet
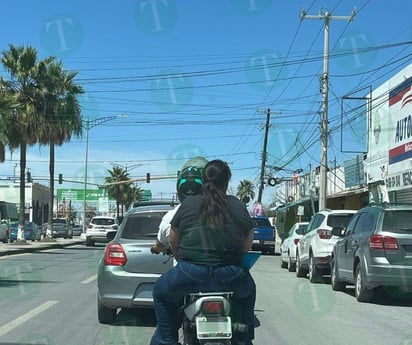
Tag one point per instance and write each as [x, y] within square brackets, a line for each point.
[190, 179]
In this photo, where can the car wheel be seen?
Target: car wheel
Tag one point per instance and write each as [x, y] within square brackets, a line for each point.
[6, 239]
[291, 265]
[314, 274]
[105, 315]
[300, 272]
[271, 251]
[362, 293]
[283, 264]
[337, 285]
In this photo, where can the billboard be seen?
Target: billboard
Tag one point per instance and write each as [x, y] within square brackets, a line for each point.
[390, 132]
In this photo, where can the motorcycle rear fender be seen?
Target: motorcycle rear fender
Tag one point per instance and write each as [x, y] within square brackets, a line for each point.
[194, 306]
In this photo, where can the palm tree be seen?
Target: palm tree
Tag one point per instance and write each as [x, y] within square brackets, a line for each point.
[24, 121]
[6, 109]
[245, 191]
[62, 115]
[131, 194]
[115, 189]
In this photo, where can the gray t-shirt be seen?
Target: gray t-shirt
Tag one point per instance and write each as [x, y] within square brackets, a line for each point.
[202, 244]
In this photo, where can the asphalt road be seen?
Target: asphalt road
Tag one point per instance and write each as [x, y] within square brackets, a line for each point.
[49, 298]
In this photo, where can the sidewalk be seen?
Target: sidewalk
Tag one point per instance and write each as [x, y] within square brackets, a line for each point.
[30, 247]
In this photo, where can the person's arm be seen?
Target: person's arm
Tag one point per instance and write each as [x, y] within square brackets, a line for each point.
[158, 247]
[174, 240]
[249, 241]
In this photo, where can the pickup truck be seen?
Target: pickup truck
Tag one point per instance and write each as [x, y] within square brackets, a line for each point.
[264, 235]
[62, 228]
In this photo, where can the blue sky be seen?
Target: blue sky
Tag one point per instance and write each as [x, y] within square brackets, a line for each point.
[196, 78]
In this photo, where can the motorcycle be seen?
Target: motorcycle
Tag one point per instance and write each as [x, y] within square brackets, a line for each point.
[207, 317]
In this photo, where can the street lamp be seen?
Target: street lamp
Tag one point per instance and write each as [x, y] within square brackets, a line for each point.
[127, 168]
[89, 124]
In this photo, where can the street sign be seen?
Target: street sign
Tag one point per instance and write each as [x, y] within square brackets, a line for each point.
[78, 194]
[146, 195]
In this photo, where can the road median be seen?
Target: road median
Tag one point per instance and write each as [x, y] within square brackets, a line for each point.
[31, 247]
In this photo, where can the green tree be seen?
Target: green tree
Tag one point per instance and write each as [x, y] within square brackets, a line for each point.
[131, 194]
[24, 120]
[245, 191]
[117, 186]
[62, 114]
[6, 111]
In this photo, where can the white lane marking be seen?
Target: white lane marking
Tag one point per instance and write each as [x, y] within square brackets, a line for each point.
[89, 280]
[25, 317]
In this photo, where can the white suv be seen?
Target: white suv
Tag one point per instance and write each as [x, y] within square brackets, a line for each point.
[99, 228]
[314, 250]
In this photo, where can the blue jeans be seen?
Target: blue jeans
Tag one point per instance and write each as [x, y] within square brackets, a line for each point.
[173, 285]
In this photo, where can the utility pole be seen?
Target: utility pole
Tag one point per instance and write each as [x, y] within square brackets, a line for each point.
[263, 165]
[327, 17]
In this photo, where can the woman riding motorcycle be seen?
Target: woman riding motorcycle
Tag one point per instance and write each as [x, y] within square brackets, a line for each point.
[209, 235]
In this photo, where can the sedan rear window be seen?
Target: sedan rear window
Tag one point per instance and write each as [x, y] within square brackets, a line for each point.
[397, 221]
[142, 226]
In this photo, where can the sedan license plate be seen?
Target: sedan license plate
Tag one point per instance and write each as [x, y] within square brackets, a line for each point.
[214, 327]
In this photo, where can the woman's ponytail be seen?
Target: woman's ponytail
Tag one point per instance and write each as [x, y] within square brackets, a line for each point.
[214, 210]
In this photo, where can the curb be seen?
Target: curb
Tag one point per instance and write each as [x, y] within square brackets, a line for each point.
[36, 247]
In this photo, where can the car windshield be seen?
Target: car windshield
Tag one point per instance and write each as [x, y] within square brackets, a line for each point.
[398, 221]
[142, 225]
[261, 222]
[339, 220]
[103, 221]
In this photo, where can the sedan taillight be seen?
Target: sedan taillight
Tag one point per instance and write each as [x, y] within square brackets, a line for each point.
[381, 242]
[115, 255]
[324, 234]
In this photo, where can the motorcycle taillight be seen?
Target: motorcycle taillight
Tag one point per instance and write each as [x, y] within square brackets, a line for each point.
[212, 307]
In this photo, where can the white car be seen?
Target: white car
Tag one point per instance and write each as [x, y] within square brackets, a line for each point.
[289, 245]
[314, 250]
[99, 230]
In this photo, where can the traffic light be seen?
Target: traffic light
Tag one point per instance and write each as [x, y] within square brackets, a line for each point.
[273, 181]
[148, 178]
[29, 179]
[60, 178]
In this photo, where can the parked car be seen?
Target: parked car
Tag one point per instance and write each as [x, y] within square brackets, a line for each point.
[263, 235]
[4, 231]
[62, 228]
[374, 250]
[77, 229]
[128, 270]
[32, 231]
[289, 245]
[99, 228]
[315, 248]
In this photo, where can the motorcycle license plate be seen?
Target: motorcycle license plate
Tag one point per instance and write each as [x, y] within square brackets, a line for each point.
[214, 327]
